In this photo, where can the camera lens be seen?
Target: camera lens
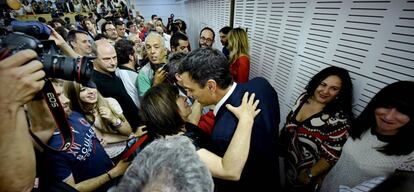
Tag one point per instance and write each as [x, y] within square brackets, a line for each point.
[79, 70]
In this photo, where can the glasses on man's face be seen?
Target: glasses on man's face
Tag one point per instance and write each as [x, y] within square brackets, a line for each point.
[207, 40]
[111, 29]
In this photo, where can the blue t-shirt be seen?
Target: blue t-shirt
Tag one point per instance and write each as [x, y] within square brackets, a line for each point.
[85, 159]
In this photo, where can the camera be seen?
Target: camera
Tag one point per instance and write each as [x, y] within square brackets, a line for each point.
[34, 35]
[55, 65]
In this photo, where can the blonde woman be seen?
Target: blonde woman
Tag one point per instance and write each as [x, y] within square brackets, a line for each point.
[105, 114]
[239, 55]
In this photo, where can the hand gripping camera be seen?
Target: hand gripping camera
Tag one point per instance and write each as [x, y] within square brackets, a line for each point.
[26, 35]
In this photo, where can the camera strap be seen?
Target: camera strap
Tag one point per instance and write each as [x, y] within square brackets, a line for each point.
[59, 115]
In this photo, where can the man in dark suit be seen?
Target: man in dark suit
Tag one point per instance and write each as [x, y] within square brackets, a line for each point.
[206, 77]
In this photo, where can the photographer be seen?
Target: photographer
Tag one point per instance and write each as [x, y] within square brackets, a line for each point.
[21, 77]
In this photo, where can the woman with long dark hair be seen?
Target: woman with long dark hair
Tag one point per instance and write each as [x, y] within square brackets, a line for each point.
[316, 128]
[381, 139]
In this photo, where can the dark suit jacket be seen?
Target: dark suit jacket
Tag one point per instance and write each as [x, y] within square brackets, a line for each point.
[261, 172]
[112, 86]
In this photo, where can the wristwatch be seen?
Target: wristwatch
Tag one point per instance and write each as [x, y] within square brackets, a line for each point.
[309, 173]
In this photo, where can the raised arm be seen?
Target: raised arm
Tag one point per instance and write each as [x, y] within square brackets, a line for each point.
[231, 165]
[62, 44]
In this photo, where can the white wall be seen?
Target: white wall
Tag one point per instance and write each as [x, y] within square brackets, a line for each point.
[161, 8]
[293, 40]
[201, 13]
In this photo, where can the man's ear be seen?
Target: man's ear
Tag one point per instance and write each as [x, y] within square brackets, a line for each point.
[131, 57]
[178, 77]
[71, 43]
[211, 85]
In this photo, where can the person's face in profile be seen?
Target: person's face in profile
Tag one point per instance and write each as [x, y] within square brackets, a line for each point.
[183, 106]
[194, 90]
[58, 86]
[223, 39]
[89, 26]
[82, 44]
[182, 47]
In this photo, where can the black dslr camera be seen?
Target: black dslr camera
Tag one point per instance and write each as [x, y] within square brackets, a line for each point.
[34, 35]
[26, 35]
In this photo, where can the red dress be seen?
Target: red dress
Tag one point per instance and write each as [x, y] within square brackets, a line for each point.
[239, 70]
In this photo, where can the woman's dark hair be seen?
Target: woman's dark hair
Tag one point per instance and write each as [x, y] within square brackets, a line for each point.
[344, 99]
[160, 112]
[183, 25]
[397, 95]
[174, 62]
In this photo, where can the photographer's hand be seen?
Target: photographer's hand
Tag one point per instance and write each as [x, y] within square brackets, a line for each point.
[21, 78]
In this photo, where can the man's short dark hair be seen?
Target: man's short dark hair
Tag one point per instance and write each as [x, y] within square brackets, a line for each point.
[118, 23]
[210, 29]
[129, 23]
[41, 19]
[152, 17]
[124, 48]
[225, 30]
[176, 37]
[174, 62]
[72, 36]
[206, 63]
[103, 27]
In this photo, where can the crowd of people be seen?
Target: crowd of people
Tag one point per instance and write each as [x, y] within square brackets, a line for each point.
[200, 122]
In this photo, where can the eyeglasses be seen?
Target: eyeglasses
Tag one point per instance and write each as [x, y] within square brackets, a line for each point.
[208, 40]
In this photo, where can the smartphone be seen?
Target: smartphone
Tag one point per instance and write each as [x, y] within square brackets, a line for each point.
[166, 67]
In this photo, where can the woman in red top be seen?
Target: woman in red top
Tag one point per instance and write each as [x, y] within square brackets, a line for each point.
[239, 55]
